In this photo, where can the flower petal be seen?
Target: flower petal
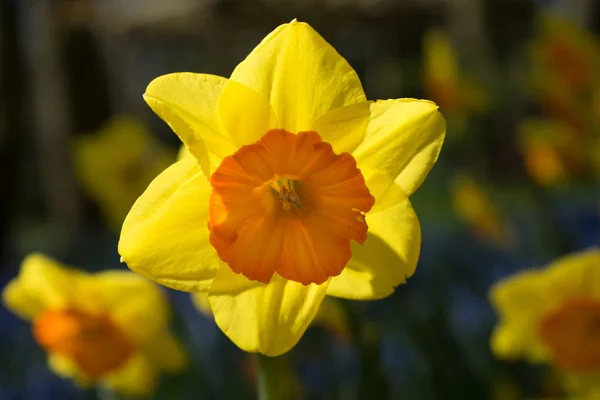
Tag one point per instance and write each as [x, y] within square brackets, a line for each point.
[165, 235]
[166, 352]
[270, 318]
[403, 140]
[387, 258]
[42, 284]
[245, 114]
[344, 128]
[301, 74]
[202, 303]
[137, 377]
[521, 300]
[137, 305]
[188, 103]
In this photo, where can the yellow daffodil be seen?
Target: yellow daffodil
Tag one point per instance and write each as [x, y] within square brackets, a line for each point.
[553, 315]
[292, 170]
[116, 164]
[457, 95]
[474, 207]
[552, 150]
[108, 328]
[568, 51]
[564, 57]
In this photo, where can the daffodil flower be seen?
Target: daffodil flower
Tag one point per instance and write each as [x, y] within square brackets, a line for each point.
[108, 328]
[115, 164]
[457, 94]
[552, 315]
[473, 206]
[298, 188]
[568, 51]
[552, 149]
[564, 57]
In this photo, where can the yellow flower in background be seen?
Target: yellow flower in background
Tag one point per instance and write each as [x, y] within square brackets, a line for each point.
[457, 95]
[109, 328]
[553, 150]
[557, 100]
[474, 207]
[292, 170]
[552, 315]
[569, 52]
[116, 164]
[562, 76]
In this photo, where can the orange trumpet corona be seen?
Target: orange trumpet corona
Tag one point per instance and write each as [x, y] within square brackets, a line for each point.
[288, 204]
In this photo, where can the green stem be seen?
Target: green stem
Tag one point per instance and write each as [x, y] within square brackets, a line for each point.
[276, 379]
[104, 393]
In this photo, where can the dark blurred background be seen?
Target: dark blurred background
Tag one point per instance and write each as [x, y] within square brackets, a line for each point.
[516, 184]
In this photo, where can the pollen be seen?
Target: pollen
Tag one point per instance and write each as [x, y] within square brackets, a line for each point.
[288, 204]
[287, 194]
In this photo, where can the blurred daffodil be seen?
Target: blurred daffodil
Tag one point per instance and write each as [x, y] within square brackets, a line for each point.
[108, 328]
[557, 100]
[552, 150]
[552, 315]
[474, 207]
[116, 164]
[564, 60]
[292, 170]
[570, 53]
[457, 95]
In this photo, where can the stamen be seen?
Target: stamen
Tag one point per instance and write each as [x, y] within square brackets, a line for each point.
[287, 193]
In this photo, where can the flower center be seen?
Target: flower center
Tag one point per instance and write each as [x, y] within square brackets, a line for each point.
[572, 333]
[288, 204]
[286, 189]
[92, 341]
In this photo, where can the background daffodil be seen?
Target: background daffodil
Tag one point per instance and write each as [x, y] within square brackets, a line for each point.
[293, 170]
[552, 315]
[474, 207]
[115, 164]
[108, 328]
[458, 94]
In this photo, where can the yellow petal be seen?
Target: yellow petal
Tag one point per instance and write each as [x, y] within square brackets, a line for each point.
[138, 377]
[188, 103]
[42, 284]
[183, 152]
[521, 294]
[270, 318]
[403, 140]
[166, 353]
[202, 303]
[245, 114]
[521, 301]
[301, 74]
[344, 128]
[440, 63]
[65, 367]
[387, 258]
[137, 305]
[576, 274]
[165, 235]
